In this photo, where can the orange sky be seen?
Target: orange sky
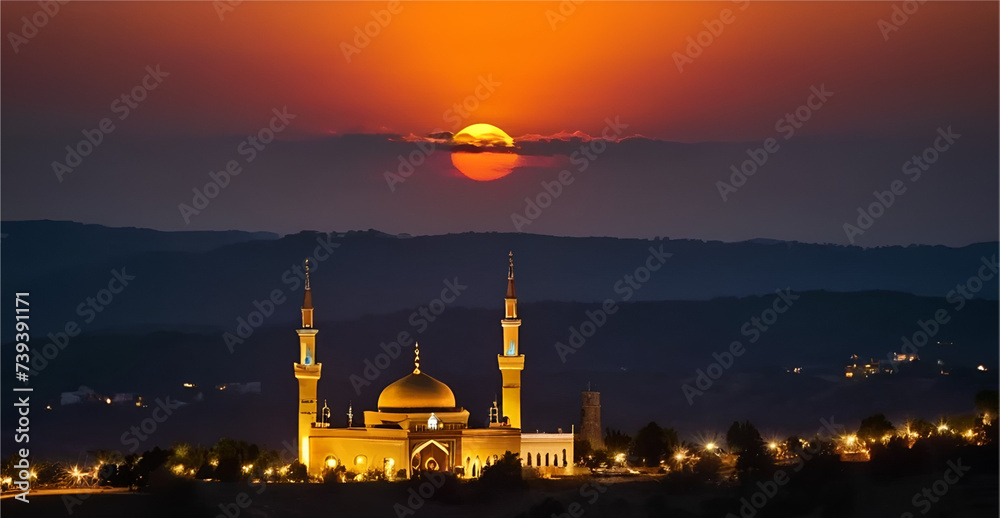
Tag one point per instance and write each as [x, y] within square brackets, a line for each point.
[605, 59]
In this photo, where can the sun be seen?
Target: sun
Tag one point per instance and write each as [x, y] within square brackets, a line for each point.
[484, 167]
[483, 135]
[483, 152]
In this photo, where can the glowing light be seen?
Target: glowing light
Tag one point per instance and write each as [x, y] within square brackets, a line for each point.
[942, 428]
[214, 462]
[679, 456]
[331, 462]
[773, 446]
[969, 432]
[247, 468]
[620, 457]
[107, 400]
[981, 367]
[710, 446]
[483, 135]
[178, 469]
[360, 459]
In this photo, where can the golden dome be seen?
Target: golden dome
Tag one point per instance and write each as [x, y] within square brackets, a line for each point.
[416, 390]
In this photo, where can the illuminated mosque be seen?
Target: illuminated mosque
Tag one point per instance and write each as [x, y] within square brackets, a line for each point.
[418, 425]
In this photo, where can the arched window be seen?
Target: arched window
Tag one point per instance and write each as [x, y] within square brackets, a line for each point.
[564, 458]
[546, 459]
[538, 460]
[529, 459]
[432, 422]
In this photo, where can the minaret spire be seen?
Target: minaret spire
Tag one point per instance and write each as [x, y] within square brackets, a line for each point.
[416, 358]
[307, 303]
[307, 372]
[510, 276]
[510, 360]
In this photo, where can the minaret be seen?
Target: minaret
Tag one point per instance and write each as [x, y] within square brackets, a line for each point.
[307, 371]
[510, 360]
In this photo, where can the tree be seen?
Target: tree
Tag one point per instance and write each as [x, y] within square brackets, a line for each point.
[793, 444]
[922, 427]
[615, 441]
[649, 444]
[987, 402]
[652, 443]
[296, 472]
[581, 448]
[504, 473]
[753, 459]
[873, 428]
[707, 466]
[149, 461]
[373, 475]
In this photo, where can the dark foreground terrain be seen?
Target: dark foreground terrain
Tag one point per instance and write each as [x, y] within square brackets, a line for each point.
[855, 493]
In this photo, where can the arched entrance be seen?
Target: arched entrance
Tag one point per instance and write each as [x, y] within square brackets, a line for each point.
[430, 456]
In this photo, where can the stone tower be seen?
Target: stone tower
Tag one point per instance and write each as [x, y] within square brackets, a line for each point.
[590, 429]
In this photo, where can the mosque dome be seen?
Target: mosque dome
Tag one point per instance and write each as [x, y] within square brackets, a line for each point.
[416, 390]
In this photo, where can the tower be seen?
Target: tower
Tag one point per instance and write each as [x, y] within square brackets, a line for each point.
[307, 371]
[510, 360]
[590, 429]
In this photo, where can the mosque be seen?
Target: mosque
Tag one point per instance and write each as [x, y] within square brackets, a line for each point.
[418, 425]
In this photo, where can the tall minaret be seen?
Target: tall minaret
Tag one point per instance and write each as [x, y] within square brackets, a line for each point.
[307, 371]
[510, 360]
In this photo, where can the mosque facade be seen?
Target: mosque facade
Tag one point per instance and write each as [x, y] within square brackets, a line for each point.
[418, 425]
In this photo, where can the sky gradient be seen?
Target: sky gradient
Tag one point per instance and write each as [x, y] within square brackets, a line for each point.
[527, 71]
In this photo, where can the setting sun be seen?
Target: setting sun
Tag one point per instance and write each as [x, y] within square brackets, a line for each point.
[483, 135]
[480, 165]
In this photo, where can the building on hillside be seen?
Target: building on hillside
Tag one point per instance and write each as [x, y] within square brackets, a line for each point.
[418, 424]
